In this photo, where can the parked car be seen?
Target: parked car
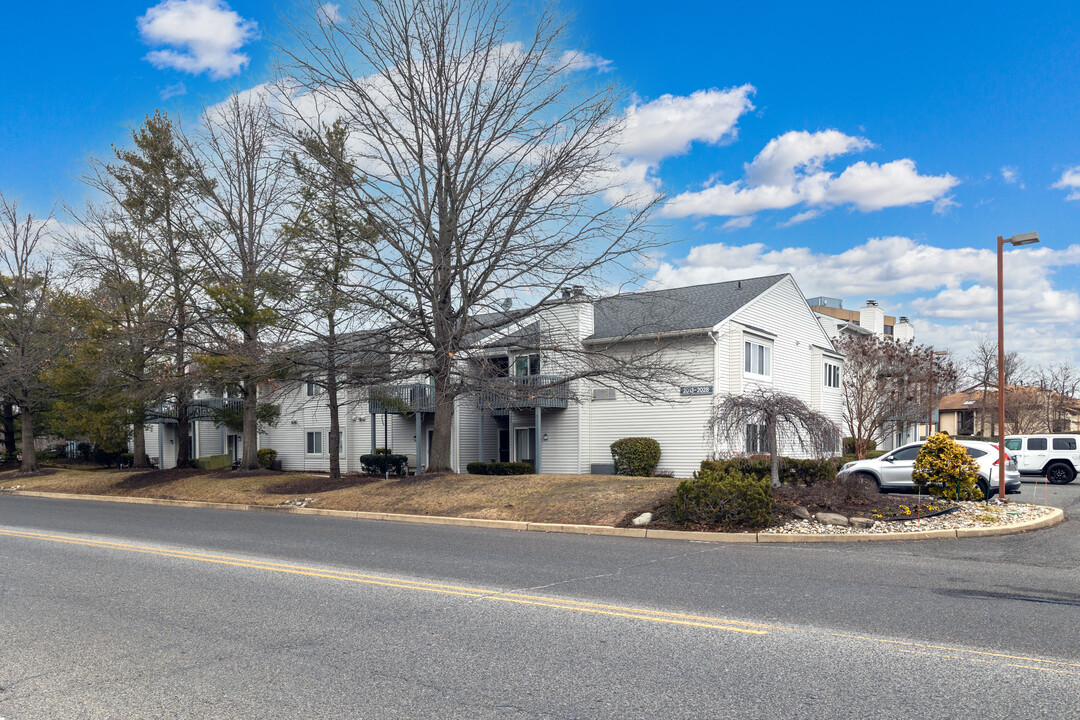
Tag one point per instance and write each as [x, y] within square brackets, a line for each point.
[892, 471]
[1055, 456]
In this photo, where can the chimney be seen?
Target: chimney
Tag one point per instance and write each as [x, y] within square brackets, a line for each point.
[872, 318]
[577, 290]
[903, 331]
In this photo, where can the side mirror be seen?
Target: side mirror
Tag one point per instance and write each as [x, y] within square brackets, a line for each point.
[888, 458]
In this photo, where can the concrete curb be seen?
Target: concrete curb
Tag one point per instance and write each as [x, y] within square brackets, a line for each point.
[1054, 518]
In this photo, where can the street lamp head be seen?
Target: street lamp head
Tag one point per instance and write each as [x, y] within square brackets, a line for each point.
[1024, 239]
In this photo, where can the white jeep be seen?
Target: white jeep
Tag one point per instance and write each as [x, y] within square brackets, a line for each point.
[1055, 456]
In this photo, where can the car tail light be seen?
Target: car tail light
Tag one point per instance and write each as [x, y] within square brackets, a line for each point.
[1008, 459]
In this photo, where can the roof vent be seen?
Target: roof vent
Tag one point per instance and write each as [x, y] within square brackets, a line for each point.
[739, 285]
[903, 318]
[871, 303]
[577, 290]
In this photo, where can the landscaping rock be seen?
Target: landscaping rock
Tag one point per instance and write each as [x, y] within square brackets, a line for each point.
[801, 513]
[860, 522]
[831, 519]
[642, 519]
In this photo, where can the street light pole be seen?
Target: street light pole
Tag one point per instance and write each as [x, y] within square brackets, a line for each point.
[1016, 241]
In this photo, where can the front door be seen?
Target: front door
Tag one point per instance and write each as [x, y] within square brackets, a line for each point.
[1036, 452]
[525, 445]
[896, 470]
[427, 452]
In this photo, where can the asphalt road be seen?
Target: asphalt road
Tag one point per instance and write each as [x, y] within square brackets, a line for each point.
[128, 611]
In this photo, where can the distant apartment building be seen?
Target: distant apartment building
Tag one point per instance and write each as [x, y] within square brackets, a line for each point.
[870, 319]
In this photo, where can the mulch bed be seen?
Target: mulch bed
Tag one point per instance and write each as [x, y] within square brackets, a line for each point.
[312, 485]
[848, 497]
[139, 480]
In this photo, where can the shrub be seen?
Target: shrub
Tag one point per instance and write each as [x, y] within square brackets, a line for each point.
[946, 470]
[266, 457]
[635, 456]
[377, 463]
[849, 446]
[724, 499]
[500, 468]
[807, 472]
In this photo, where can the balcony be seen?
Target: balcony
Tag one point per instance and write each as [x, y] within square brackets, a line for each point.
[525, 392]
[198, 409]
[413, 397]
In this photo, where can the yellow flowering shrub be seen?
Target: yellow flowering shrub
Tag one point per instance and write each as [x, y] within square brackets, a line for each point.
[945, 469]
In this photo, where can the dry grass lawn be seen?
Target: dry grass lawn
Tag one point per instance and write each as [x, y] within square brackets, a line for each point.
[587, 499]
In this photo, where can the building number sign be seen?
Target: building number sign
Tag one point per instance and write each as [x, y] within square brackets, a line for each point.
[696, 390]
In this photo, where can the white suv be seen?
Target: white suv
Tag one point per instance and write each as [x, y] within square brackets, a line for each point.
[1055, 456]
[892, 472]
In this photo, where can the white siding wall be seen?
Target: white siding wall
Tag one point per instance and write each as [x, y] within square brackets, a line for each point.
[782, 311]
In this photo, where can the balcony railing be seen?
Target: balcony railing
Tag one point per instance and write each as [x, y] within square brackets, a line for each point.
[197, 409]
[413, 397]
[526, 392]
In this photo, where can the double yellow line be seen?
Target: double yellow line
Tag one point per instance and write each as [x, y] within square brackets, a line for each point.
[464, 591]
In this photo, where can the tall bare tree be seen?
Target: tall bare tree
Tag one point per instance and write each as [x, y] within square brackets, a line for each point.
[886, 385]
[489, 168]
[981, 369]
[241, 174]
[32, 330]
[782, 421]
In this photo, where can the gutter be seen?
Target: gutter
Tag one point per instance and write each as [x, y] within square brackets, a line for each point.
[647, 336]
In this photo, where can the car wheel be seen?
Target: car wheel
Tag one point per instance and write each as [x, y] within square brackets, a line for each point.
[1060, 473]
[982, 485]
[869, 479]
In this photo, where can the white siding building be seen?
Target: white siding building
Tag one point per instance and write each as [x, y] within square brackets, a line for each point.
[724, 337]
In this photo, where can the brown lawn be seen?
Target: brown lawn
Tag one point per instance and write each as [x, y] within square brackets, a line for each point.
[585, 499]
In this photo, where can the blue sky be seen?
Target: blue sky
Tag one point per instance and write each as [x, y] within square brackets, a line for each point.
[873, 150]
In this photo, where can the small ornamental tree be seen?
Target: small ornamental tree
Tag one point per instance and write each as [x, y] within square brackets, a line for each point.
[946, 470]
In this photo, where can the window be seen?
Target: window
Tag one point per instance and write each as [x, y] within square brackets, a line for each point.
[1036, 443]
[974, 452]
[757, 358]
[313, 389]
[757, 439]
[1064, 443]
[1013, 444]
[905, 454]
[314, 443]
[832, 375]
[527, 365]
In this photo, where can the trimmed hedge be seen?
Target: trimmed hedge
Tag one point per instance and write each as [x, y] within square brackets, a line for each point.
[724, 498]
[376, 464]
[849, 446]
[266, 457]
[635, 456]
[215, 462]
[500, 468]
[793, 471]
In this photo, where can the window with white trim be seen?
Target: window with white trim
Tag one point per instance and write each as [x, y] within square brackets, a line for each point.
[314, 442]
[757, 439]
[832, 375]
[313, 389]
[757, 358]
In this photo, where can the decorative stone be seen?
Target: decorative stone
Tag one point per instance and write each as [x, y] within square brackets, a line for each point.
[831, 519]
[642, 519]
[801, 513]
[860, 522]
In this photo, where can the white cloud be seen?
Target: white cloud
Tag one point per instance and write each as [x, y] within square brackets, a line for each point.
[576, 61]
[789, 171]
[800, 218]
[943, 204]
[950, 293]
[667, 126]
[329, 13]
[171, 91]
[201, 35]
[1011, 176]
[738, 223]
[1070, 180]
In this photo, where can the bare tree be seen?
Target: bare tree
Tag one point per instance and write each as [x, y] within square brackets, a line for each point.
[771, 421]
[981, 370]
[241, 175]
[32, 332]
[489, 169]
[886, 384]
[1060, 383]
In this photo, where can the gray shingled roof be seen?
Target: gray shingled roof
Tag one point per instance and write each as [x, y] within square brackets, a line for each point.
[685, 308]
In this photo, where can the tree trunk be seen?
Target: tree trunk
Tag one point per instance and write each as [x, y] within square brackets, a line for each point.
[335, 426]
[29, 455]
[138, 443]
[774, 455]
[250, 432]
[10, 448]
[183, 431]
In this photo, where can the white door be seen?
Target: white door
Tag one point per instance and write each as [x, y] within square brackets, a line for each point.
[1036, 452]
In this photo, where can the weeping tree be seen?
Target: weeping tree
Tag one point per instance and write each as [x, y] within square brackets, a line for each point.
[766, 420]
